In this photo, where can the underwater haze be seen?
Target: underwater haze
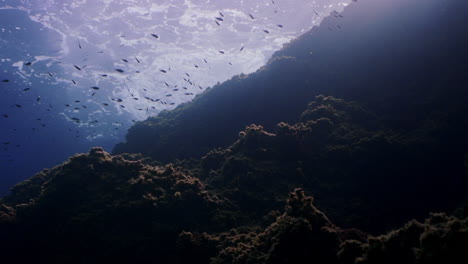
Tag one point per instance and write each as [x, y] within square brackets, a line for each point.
[53, 52]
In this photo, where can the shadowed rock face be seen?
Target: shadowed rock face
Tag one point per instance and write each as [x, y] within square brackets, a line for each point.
[303, 234]
[96, 205]
[227, 207]
[396, 58]
[376, 145]
[439, 239]
[363, 174]
[161, 215]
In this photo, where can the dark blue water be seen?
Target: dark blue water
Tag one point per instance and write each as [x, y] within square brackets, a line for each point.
[34, 132]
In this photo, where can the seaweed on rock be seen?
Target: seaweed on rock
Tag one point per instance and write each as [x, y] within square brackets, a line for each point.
[439, 239]
[106, 207]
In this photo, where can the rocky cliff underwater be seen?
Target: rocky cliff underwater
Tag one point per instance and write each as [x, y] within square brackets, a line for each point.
[349, 146]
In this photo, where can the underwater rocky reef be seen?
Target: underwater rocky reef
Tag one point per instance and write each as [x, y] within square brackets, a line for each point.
[235, 205]
[351, 153]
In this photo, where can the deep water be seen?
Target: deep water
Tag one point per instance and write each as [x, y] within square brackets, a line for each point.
[37, 135]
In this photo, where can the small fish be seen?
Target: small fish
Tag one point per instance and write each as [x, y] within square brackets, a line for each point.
[280, 26]
[76, 67]
[5, 115]
[6, 80]
[124, 60]
[163, 71]
[266, 31]
[28, 63]
[155, 36]
[103, 75]
[252, 17]
[222, 52]
[137, 59]
[38, 99]
[219, 19]
[241, 49]
[74, 82]
[95, 88]
[18, 105]
[26, 89]
[119, 70]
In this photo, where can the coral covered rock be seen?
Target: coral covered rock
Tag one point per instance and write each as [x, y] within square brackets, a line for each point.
[106, 207]
[440, 239]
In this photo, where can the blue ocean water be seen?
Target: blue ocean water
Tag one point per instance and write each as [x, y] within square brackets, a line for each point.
[35, 130]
